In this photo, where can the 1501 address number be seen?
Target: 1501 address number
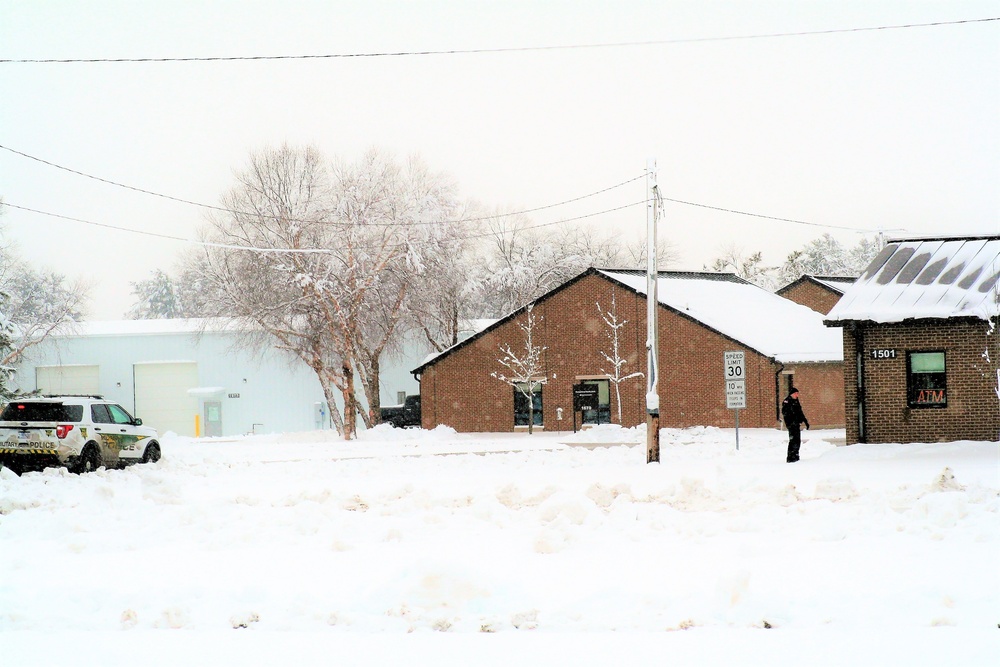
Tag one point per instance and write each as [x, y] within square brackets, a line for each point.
[883, 354]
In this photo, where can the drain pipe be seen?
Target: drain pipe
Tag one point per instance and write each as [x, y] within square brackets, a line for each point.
[777, 394]
[857, 330]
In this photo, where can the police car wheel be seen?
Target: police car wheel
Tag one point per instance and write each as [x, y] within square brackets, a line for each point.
[152, 454]
[89, 461]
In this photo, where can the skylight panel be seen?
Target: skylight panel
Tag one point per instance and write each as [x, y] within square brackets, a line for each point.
[894, 265]
[932, 271]
[989, 283]
[913, 268]
[970, 278]
[952, 274]
[880, 260]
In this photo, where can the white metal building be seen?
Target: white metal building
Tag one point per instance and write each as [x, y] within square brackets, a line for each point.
[192, 377]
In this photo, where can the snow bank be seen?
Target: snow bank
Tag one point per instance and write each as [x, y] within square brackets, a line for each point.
[499, 548]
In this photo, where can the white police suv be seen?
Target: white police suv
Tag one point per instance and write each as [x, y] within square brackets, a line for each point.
[81, 433]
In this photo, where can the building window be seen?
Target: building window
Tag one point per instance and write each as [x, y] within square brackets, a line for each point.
[926, 381]
[521, 405]
[602, 415]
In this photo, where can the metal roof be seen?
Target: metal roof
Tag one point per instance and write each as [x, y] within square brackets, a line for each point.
[920, 278]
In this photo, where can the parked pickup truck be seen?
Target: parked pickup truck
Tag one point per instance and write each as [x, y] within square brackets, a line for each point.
[81, 433]
[401, 416]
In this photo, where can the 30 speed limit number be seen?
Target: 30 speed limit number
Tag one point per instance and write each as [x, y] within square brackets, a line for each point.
[735, 365]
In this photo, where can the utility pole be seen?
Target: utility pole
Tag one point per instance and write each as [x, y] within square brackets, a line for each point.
[652, 308]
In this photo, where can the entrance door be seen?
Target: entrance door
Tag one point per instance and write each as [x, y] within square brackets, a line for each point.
[789, 382]
[602, 415]
[213, 419]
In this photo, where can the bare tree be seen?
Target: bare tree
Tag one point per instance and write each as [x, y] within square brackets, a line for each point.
[34, 305]
[523, 262]
[824, 256]
[448, 289]
[524, 368]
[335, 251]
[615, 358]
[265, 262]
[393, 221]
[749, 267]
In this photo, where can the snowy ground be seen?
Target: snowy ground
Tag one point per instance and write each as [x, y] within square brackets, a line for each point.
[434, 548]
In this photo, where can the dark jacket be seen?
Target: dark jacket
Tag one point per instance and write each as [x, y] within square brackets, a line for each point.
[791, 412]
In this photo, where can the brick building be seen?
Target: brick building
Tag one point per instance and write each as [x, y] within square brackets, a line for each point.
[701, 316]
[921, 346]
[821, 293]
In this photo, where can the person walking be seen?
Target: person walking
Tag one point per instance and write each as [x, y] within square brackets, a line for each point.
[791, 412]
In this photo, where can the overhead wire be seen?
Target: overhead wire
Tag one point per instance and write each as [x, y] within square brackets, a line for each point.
[459, 220]
[210, 244]
[765, 217]
[396, 54]
[658, 199]
[659, 196]
[223, 209]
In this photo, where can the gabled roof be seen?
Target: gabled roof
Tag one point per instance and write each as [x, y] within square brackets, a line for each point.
[761, 320]
[747, 314]
[836, 284]
[920, 278]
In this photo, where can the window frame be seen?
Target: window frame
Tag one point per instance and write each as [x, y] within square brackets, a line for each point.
[521, 398]
[99, 414]
[938, 381]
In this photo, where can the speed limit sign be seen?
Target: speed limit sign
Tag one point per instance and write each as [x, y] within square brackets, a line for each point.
[734, 365]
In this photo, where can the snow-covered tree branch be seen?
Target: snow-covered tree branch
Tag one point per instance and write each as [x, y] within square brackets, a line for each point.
[614, 356]
[325, 258]
[524, 369]
[34, 305]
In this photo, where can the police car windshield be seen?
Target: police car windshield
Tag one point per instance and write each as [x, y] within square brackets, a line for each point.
[27, 411]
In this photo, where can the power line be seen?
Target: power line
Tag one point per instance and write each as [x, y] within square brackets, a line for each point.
[274, 217]
[396, 54]
[461, 238]
[288, 250]
[393, 224]
[761, 215]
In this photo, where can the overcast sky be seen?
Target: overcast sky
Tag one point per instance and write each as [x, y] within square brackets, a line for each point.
[892, 129]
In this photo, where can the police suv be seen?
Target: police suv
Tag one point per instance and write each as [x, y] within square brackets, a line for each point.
[81, 433]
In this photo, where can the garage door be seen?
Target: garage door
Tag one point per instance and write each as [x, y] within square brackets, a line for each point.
[161, 396]
[75, 379]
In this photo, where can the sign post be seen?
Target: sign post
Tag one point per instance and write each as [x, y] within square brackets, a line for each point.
[736, 393]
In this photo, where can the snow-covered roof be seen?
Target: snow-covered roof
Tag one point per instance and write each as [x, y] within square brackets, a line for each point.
[770, 324]
[761, 320]
[146, 327]
[926, 278]
[835, 283]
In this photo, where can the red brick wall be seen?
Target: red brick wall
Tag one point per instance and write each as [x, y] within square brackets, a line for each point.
[821, 389]
[459, 391]
[973, 410]
[811, 295]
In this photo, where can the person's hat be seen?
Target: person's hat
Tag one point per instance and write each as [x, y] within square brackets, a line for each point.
[793, 391]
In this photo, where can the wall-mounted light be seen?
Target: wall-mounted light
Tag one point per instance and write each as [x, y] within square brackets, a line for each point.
[118, 384]
[244, 380]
